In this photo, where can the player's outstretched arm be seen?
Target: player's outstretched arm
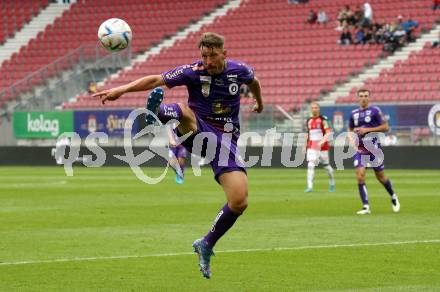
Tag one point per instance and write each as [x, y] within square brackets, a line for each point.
[141, 84]
[384, 127]
[255, 88]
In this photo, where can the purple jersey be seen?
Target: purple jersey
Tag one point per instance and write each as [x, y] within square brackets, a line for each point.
[214, 98]
[366, 118]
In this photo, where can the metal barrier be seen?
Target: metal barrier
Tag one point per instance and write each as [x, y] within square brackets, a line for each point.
[84, 59]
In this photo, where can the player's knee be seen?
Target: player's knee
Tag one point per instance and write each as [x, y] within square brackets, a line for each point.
[239, 202]
[183, 107]
[186, 111]
[361, 178]
[382, 178]
[188, 122]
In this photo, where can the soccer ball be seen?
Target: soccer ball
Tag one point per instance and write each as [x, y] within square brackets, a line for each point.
[114, 34]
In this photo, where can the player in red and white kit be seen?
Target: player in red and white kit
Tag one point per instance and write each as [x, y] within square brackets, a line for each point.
[318, 133]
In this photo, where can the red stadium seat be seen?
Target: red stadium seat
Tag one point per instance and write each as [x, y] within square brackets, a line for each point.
[58, 38]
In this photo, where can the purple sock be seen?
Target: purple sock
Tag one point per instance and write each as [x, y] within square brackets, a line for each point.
[182, 167]
[389, 187]
[168, 112]
[363, 193]
[224, 220]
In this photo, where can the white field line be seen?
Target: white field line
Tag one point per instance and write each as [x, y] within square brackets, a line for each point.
[306, 247]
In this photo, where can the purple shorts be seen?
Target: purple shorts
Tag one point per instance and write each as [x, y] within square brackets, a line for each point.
[179, 151]
[226, 158]
[368, 161]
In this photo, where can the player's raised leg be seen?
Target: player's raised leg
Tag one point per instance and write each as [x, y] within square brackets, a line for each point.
[380, 175]
[363, 192]
[234, 184]
[166, 112]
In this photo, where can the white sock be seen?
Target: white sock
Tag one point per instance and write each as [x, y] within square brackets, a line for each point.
[310, 174]
[330, 174]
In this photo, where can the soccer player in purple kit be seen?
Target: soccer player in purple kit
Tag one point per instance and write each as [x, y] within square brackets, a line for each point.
[213, 107]
[363, 120]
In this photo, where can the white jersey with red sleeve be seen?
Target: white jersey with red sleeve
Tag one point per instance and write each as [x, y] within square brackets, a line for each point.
[316, 128]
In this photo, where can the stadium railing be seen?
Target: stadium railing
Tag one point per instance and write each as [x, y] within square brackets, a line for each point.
[77, 65]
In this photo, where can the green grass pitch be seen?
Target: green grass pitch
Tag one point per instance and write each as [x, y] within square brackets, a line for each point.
[104, 230]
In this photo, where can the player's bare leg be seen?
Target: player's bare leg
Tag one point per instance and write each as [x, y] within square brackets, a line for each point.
[363, 192]
[234, 184]
[330, 172]
[380, 175]
[310, 175]
[331, 177]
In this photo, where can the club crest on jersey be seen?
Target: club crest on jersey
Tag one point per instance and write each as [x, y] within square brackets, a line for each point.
[233, 88]
[206, 85]
[367, 119]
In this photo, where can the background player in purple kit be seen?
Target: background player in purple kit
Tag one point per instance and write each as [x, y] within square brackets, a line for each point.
[213, 107]
[363, 120]
[177, 156]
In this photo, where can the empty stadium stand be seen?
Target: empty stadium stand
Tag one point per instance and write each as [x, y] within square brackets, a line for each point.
[415, 79]
[14, 14]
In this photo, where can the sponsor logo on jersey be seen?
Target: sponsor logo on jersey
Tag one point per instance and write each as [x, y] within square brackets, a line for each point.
[174, 74]
[356, 119]
[232, 77]
[219, 109]
[219, 82]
